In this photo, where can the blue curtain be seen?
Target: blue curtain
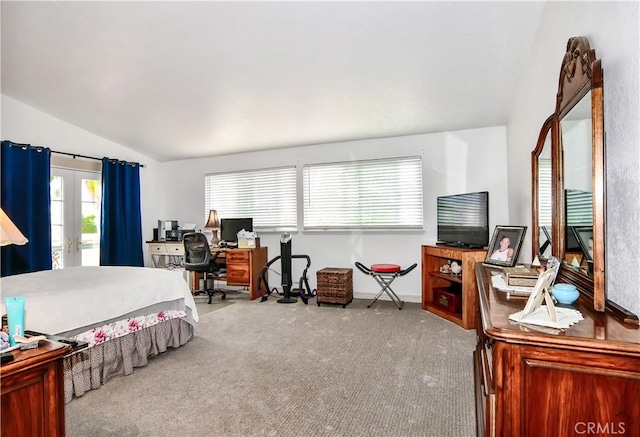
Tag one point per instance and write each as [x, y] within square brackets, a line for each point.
[25, 197]
[121, 226]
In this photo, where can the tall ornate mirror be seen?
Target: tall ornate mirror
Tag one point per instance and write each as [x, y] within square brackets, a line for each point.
[568, 175]
[579, 189]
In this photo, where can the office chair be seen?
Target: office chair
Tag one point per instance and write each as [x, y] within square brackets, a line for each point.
[198, 258]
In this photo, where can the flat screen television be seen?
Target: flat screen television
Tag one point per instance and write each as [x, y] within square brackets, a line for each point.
[229, 228]
[463, 219]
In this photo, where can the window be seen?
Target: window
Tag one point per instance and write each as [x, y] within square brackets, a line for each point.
[375, 194]
[268, 196]
[544, 193]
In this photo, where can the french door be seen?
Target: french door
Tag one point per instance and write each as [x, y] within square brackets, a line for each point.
[75, 218]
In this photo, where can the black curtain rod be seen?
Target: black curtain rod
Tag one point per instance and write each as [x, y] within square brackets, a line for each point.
[74, 155]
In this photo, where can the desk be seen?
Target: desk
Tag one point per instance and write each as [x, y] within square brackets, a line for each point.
[243, 265]
[166, 252]
[243, 268]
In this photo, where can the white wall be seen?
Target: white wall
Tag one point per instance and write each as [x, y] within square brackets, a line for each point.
[454, 162]
[613, 31]
[23, 124]
[576, 146]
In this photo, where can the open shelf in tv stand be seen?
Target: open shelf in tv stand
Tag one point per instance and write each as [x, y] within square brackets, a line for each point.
[434, 257]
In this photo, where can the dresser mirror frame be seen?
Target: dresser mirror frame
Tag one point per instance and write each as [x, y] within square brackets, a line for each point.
[580, 78]
[541, 189]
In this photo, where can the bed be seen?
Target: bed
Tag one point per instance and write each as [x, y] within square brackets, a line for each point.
[125, 314]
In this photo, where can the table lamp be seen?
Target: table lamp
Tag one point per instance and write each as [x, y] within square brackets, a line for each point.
[213, 224]
[9, 233]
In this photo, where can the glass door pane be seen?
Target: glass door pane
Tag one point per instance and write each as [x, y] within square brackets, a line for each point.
[75, 218]
[57, 221]
[90, 198]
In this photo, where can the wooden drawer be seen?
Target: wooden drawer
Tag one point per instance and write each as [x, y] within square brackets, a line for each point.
[158, 249]
[238, 257]
[485, 393]
[175, 249]
[32, 387]
[480, 397]
[237, 274]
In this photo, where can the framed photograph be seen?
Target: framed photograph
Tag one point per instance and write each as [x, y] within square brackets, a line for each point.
[505, 245]
[584, 235]
[542, 291]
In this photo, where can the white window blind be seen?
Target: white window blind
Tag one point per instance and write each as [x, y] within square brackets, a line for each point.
[364, 194]
[544, 193]
[268, 196]
[579, 208]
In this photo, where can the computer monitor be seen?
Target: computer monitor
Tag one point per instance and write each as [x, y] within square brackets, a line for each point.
[230, 227]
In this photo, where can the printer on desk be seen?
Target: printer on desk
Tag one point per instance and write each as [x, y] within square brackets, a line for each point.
[165, 226]
[176, 234]
[168, 230]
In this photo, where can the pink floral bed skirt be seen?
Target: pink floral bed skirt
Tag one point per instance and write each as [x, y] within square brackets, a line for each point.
[116, 349]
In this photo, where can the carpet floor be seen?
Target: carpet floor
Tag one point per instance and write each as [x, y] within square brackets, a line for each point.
[217, 302]
[268, 369]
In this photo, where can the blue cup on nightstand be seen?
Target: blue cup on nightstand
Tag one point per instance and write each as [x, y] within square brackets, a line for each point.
[565, 293]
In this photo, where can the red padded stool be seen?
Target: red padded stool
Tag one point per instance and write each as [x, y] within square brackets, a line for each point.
[385, 274]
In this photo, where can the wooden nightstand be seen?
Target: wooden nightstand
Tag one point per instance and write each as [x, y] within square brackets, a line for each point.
[32, 387]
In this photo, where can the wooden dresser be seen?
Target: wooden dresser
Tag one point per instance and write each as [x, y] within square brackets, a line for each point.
[33, 392]
[583, 381]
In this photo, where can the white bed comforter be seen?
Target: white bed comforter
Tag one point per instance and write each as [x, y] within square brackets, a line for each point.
[58, 301]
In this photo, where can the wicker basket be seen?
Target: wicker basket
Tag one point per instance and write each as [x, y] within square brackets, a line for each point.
[335, 285]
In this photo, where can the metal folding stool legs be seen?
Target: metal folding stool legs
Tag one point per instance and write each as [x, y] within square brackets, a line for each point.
[385, 280]
[385, 274]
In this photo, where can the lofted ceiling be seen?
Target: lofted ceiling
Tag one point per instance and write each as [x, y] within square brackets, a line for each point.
[186, 79]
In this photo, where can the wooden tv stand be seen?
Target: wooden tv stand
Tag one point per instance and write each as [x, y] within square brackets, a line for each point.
[462, 285]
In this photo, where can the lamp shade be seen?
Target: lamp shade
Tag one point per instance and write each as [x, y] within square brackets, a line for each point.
[9, 233]
[213, 222]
